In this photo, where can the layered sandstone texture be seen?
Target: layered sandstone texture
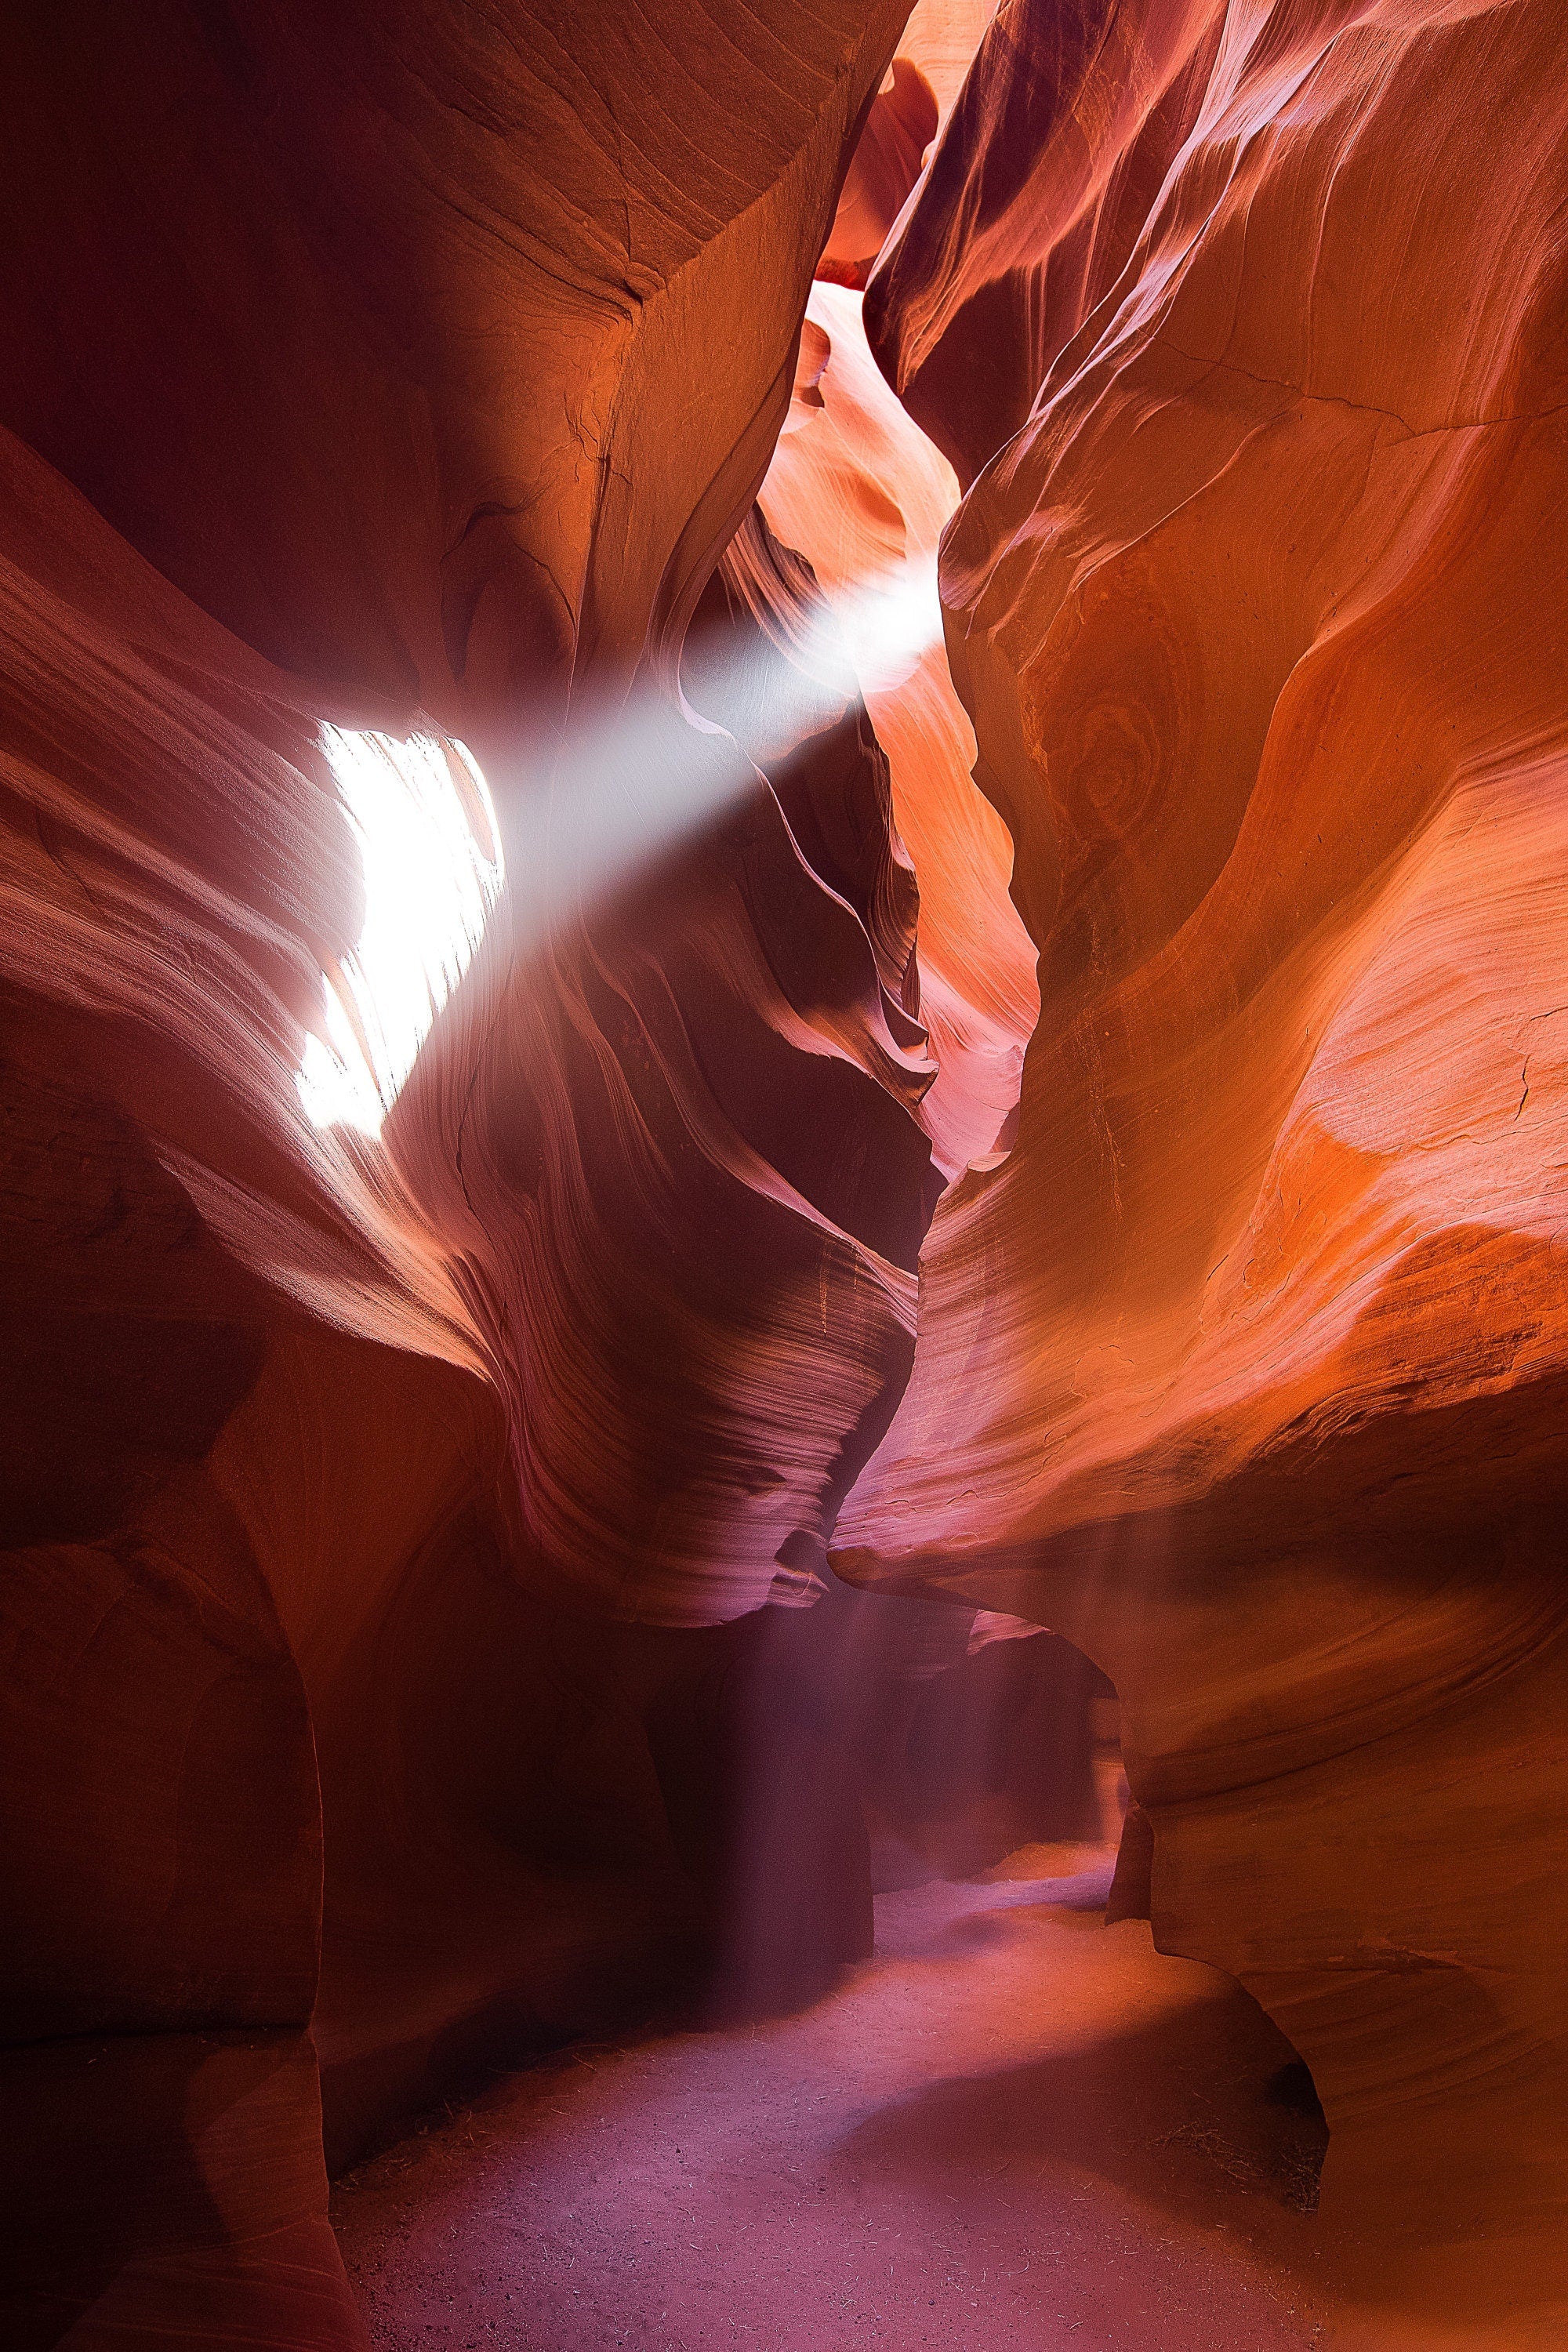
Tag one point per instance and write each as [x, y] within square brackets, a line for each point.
[1244, 329]
[408, 1528]
[389, 1514]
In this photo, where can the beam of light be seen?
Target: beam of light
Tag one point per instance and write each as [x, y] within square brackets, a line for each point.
[866, 642]
[631, 783]
[433, 871]
[888, 625]
[624, 788]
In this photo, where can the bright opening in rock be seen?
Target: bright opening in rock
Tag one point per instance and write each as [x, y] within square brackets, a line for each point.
[433, 868]
[784, 1100]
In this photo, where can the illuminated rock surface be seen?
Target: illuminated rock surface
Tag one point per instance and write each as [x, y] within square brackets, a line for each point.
[393, 1496]
[1247, 1369]
[864, 495]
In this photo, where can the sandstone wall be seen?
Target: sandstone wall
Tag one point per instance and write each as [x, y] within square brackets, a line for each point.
[1247, 1370]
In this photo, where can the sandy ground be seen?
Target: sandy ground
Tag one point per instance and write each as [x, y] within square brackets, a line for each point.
[1014, 2129]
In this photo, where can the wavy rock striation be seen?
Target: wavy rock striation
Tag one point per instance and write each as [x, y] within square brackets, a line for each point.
[1247, 1370]
[406, 1533]
[404, 1503]
[864, 495]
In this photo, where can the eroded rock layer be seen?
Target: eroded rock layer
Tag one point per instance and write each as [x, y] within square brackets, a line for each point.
[1247, 1369]
[398, 371]
[865, 496]
[406, 1534]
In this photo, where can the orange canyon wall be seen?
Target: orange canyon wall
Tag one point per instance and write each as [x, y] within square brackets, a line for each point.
[1245, 329]
[389, 1524]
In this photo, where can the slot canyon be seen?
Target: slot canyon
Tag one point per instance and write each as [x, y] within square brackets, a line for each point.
[784, 1161]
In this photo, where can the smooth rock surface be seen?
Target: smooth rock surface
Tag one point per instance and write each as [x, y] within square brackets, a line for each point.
[1247, 1370]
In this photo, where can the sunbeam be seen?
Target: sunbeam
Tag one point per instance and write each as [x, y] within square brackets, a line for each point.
[625, 786]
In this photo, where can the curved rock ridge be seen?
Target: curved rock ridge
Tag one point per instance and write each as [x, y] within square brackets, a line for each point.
[634, 1059]
[681, 1134]
[407, 373]
[438, 277]
[885, 166]
[864, 495]
[918, 92]
[763, 654]
[746, 1002]
[942, 37]
[1246, 1371]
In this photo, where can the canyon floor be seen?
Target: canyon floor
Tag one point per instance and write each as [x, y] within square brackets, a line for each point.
[1014, 2128]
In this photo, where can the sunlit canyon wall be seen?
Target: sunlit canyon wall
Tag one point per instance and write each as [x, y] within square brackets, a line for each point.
[1245, 328]
[413, 1534]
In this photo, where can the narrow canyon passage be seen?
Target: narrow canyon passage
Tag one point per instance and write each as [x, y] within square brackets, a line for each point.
[1015, 2129]
[784, 1176]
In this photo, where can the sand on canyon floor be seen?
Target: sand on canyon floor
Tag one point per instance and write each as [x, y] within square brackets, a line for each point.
[1015, 2129]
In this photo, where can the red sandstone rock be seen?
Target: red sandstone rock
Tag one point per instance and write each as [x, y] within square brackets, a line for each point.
[884, 168]
[1246, 1369]
[942, 37]
[353, 365]
[864, 496]
[387, 1528]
